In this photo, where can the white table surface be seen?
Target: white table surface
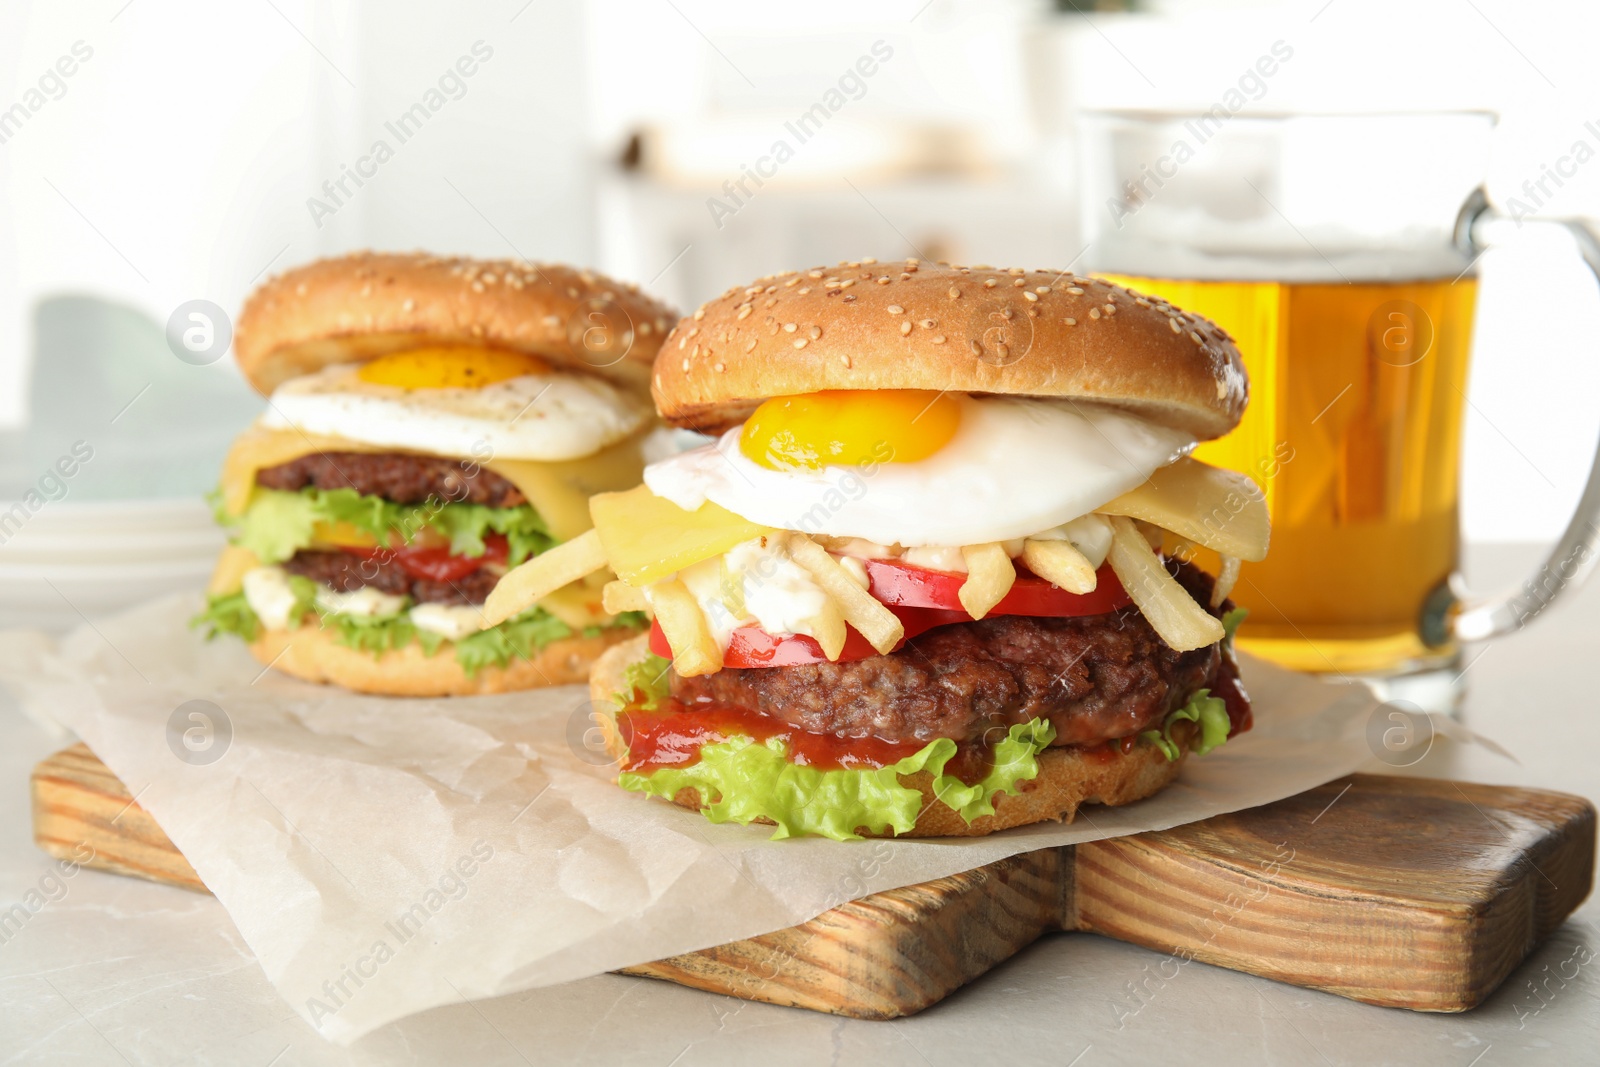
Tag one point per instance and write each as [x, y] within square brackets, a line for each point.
[119, 970]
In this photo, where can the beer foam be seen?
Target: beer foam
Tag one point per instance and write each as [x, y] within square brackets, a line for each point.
[1197, 246]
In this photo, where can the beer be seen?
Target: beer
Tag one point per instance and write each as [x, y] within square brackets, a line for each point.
[1357, 396]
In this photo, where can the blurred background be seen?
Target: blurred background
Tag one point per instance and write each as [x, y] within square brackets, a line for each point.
[157, 152]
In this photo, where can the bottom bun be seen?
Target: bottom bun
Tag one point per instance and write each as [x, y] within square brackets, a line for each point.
[1068, 777]
[315, 654]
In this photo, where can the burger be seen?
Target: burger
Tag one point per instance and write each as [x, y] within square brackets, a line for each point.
[430, 424]
[942, 569]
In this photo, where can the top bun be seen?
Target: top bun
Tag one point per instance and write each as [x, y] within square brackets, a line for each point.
[354, 308]
[868, 325]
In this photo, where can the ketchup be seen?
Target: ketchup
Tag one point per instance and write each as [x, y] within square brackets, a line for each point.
[672, 735]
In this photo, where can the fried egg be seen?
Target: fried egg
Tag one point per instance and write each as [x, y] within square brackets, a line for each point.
[459, 402]
[982, 469]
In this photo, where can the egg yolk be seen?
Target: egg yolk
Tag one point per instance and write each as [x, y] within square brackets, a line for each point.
[849, 427]
[449, 368]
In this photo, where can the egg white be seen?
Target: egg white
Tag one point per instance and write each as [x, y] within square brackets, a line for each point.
[1016, 466]
[548, 417]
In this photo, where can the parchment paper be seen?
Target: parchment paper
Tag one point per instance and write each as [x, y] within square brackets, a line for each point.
[385, 856]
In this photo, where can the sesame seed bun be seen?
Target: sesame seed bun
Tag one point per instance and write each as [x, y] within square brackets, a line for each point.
[869, 325]
[354, 308]
[314, 654]
[1067, 779]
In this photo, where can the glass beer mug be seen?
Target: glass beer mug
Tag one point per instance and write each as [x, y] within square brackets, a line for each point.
[1339, 251]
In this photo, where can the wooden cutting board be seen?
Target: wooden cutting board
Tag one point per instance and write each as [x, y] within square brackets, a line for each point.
[1404, 892]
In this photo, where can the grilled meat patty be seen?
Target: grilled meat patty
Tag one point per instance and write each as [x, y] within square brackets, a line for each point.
[1095, 677]
[405, 479]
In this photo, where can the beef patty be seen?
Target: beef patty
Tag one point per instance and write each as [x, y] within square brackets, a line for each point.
[345, 572]
[1094, 677]
[405, 479]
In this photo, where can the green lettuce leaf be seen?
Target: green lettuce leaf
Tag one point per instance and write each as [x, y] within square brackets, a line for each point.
[277, 524]
[232, 614]
[645, 683]
[229, 614]
[1209, 711]
[751, 781]
[521, 636]
[1231, 621]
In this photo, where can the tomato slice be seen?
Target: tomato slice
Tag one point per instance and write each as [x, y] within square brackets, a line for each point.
[902, 585]
[437, 564]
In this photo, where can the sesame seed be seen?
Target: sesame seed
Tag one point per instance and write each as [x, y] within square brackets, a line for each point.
[1111, 309]
[938, 338]
[477, 287]
[770, 289]
[744, 311]
[845, 359]
[977, 349]
[1071, 322]
[1074, 290]
[408, 305]
[1002, 351]
[790, 327]
[553, 321]
[814, 274]
[895, 309]
[800, 342]
[718, 366]
[699, 313]
[804, 290]
[1174, 324]
[694, 352]
[905, 327]
[1094, 313]
[1016, 270]
[1042, 290]
[770, 301]
[751, 345]
[927, 324]
[1019, 282]
[1007, 314]
[869, 260]
[883, 280]
[693, 330]
[989, 283]
[683, 342]
[488, 278]
[792, 282]
[849, 298]
[815, 332]
[1196, 338]
[1030, 296]
[955, 294]
[686, 364]
[1141, 301]
[905, 277]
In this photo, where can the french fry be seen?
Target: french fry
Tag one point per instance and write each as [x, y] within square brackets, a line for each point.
[1227, 578]
[880, 626]
[694, 650]
[524, 586]
[989, 578]
[1061, 564]
[618, 597]
[1166, 605]
[829, 630]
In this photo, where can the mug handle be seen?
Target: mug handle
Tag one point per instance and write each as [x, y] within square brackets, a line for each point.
[1573, 556]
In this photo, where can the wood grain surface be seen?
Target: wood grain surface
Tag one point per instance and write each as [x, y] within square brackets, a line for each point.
[1403, 892]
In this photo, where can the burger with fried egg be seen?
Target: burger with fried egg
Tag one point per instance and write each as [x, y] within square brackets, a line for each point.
[430, 424]
[940, 571]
